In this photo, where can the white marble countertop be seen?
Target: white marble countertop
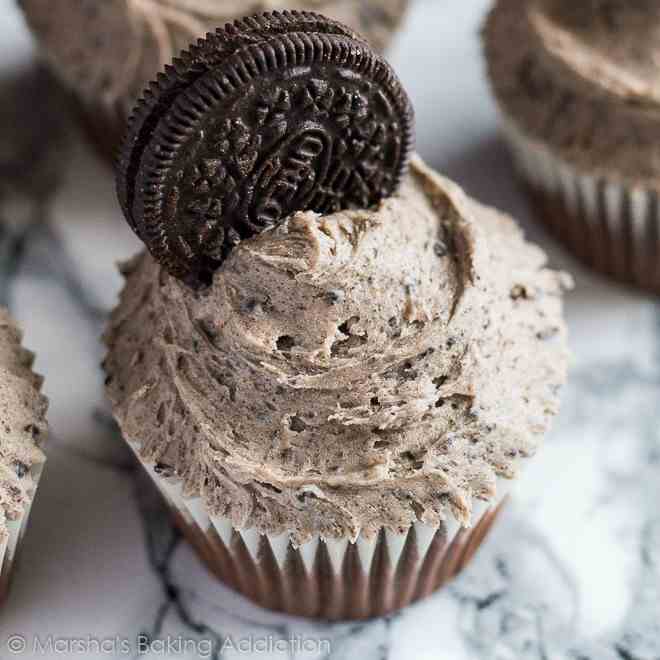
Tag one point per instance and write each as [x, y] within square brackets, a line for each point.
[571, 572]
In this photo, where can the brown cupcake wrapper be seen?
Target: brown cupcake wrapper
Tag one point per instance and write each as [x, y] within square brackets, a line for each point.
[10, 545]
[612, 227]
[330, 579]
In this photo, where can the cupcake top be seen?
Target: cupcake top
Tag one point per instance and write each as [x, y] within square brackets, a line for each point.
[82, 38]
[584, 78]
[319, 341]
[23, 423]
[346, 371]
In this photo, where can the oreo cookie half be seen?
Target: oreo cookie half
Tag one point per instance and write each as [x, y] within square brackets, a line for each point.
[275, 114]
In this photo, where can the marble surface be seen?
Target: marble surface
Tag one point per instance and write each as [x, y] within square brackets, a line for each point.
[571, 572]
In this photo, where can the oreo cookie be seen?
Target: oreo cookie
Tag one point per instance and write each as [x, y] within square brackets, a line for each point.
[273, 114]
[192, 64]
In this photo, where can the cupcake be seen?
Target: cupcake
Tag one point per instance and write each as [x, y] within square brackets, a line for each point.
[578, 87]
[333, 365]
[107, 52]
[22, 410]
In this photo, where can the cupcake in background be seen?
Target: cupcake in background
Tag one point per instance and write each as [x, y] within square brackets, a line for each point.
[332, 369]
[24, 429]
[107, 51]
[578, 85]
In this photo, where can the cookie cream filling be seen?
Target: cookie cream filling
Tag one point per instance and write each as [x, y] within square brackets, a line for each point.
[346, 372]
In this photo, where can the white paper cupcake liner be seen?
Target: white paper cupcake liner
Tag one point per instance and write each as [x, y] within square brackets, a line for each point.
[612, 227]
[10, 545]
[327, 578]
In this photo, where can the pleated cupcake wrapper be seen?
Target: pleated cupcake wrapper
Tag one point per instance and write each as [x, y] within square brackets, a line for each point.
[613, 228]
[9, 546]
[330, 578]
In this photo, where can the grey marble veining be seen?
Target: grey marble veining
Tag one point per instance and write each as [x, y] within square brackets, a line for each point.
[572, 570]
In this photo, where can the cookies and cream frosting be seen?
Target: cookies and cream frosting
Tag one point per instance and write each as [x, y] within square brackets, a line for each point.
[349, 371]
[120, 45]
[584, 78]
[22, 423]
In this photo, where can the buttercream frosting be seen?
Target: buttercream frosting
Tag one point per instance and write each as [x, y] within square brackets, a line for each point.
[23, 425]
[109, 51]
[346, 372]
[582, 78]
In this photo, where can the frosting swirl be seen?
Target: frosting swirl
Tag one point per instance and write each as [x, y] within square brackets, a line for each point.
[346, 372]
[584, 77]
[612, 44]
[150, 33]
[22, 411]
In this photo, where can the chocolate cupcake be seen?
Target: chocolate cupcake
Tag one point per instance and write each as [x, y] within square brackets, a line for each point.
[22, 410]
[577, 84]
[332, 364]
[107, 52]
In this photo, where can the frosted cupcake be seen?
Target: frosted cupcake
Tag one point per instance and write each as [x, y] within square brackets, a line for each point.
[108, 52]
[22, 410]
[579, 89]
[332, 370]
